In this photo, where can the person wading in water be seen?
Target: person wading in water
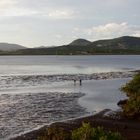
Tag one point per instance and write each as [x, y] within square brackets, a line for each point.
[80, 82]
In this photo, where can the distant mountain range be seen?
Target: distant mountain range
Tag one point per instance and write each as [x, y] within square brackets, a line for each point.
[121, 45]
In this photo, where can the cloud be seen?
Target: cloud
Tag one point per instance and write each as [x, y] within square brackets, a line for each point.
[53, 22]
[16, 12]
[58, 36]
[136, 33]
[42, 8]
[109, 30]
[5, 3]
[61, 14]
[9, 8]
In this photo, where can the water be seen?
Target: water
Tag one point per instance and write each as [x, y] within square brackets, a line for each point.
[37, 90]
[66, 64]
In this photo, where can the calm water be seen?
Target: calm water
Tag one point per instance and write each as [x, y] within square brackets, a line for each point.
[66, 64]
[28, 100]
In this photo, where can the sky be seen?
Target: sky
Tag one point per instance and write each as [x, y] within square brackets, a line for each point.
[34, 23]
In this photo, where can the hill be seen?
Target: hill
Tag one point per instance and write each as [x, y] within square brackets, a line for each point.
[125, 42]
[80, 42]
[121, 45]
[10, 47]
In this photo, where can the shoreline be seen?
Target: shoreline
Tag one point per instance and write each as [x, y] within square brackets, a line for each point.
[129, 129]
[100, 76]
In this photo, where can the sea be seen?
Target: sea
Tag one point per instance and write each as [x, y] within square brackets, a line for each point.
[39, 90]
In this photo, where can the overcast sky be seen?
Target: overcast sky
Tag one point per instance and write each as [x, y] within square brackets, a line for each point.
[34, 23]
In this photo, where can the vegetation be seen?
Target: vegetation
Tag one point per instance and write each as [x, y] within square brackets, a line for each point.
[131, 108]
[54, 133]
[80, 42]
[85, 132]
[122, 45]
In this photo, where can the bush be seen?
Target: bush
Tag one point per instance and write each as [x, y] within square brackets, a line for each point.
[132, 89]
[86, 132]
[55, 133]
[132, 108]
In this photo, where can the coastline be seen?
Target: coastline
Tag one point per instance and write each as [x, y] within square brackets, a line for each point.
[111, 75]
[129, 129]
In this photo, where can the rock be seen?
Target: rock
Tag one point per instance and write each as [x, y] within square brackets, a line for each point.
[122, 102]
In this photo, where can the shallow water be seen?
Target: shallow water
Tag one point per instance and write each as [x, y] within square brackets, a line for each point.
[37, 90]
[102, 94]
[27, 109]
[24, 112]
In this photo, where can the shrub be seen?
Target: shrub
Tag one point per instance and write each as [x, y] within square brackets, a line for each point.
[86, 132]
[55, 133]
[132, 89]
[132, 108]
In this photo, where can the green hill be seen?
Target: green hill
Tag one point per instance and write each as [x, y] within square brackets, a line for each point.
[125, 42]
[80, 42]
[122, 45]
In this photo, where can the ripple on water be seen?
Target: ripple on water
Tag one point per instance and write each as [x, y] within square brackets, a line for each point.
[18, 81]
[24, 112]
